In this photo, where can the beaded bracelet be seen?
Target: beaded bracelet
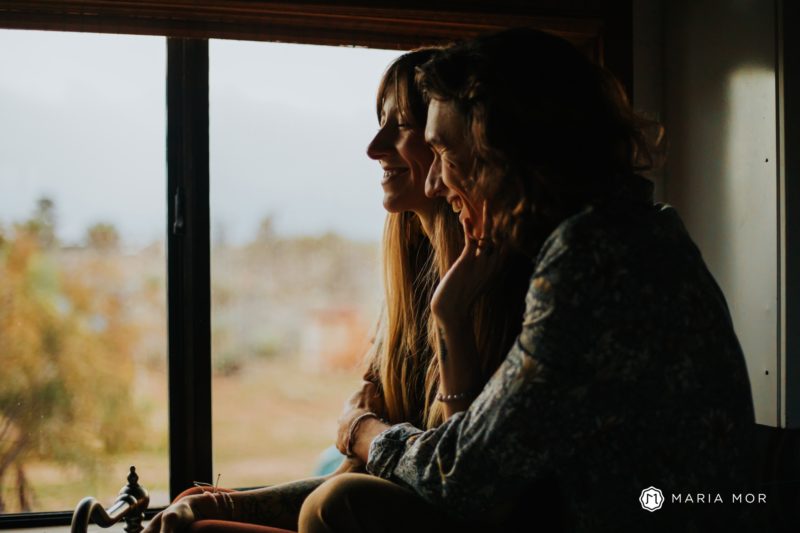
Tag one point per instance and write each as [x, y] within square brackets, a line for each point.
[452, 397]
[353, 427]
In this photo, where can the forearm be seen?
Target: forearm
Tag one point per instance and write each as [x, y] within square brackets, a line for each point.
[458, 365]
[367, 431]
[474, 461]
[276, 506]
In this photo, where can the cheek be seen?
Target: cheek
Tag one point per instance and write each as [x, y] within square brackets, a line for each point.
[454, 179]
[416, 153]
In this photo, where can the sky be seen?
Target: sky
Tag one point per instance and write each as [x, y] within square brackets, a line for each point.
[82, 121]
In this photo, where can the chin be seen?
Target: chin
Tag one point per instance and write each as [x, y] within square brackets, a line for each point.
[391, 205]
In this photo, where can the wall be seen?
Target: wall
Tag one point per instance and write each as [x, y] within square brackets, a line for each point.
[709, 68]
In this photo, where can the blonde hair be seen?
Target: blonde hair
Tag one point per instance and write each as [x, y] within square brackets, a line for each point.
[403, 361]
[403, 349]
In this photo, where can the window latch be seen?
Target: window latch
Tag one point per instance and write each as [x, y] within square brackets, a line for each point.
[177, 224]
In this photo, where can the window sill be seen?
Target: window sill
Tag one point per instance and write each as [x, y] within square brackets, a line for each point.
[116, 528]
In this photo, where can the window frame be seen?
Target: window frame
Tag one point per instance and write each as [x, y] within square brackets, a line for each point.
[602, 28]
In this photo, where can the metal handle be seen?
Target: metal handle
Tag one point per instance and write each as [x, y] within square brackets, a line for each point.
[130, 505]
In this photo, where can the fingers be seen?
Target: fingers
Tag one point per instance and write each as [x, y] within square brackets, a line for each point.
[169, 522]
[155, 524]
[486, 229]
[370, 391]
[470, 244]
[369, 388]
[171, 519]
[485, 244]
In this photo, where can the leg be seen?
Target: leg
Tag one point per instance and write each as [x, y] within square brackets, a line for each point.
[223, 526]
[360, 503]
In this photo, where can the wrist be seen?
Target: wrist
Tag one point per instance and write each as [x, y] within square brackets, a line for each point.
[211, 505]
[453, 325]
[355, 425]
[368, 430]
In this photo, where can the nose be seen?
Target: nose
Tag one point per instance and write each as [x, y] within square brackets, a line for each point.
[379, 146]
[434, 185]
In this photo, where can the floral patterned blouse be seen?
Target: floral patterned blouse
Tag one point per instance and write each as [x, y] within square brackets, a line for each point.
[627, 375]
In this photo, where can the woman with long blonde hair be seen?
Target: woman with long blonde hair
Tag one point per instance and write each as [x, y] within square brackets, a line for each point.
[422, 237]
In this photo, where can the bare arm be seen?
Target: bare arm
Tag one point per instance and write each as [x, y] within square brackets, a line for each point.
[276, 506]
[458, 364]
[279, 505]
[451, 306]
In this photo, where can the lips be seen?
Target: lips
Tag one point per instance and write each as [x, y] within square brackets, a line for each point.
[391, 173]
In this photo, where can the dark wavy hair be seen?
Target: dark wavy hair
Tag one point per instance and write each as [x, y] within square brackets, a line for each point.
[550, 130]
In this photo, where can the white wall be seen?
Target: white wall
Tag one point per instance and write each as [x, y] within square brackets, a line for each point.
[707, 67]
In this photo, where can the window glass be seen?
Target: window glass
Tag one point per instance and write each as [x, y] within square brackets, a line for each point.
[296, 220]
[83, 389]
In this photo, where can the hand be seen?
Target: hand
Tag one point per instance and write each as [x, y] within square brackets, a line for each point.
[364, 400]
[345, 421]
[174, 518]
[465, 280]
[367, 397]
[350, 465]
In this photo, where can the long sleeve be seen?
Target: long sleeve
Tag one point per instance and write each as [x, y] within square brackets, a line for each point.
[626, 374]
[482, 458]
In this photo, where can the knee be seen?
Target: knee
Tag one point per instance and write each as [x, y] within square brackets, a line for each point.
[331, 507]
[191, 491]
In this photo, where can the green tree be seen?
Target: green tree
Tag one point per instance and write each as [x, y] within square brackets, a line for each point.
[67, 365]
[103, 237]
[42, 224]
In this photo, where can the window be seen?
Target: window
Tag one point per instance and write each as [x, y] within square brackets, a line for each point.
[296, 220]
[83, 335]
[188, 237]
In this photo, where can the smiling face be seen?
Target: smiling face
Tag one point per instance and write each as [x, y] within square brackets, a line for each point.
[399, 147]
[451, 174]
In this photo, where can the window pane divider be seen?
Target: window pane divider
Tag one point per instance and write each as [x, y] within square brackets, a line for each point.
[188, 257]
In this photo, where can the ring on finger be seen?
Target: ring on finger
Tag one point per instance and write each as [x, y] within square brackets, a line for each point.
[485, 246]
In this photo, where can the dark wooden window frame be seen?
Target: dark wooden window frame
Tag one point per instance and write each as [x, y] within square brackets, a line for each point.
[600, 27]
[789, 91]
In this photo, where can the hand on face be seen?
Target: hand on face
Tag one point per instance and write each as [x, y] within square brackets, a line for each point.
[467, 278]
[451, 176]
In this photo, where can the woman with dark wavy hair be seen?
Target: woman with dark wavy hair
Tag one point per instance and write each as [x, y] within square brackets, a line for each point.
[627, 384]
[421, 239]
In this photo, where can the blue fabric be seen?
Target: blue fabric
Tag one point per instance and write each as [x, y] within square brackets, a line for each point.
[328, 461]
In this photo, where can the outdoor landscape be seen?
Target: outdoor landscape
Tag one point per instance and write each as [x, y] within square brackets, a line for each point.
[83, 386]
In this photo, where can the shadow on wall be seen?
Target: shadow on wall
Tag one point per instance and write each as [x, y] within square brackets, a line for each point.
[720, 114]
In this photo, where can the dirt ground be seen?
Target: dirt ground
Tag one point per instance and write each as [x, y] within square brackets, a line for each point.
[272, 419]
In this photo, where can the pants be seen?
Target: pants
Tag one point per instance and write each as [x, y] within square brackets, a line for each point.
[360, 503]
[353, 503]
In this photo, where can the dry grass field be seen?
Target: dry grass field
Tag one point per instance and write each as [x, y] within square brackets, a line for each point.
[291, 321]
